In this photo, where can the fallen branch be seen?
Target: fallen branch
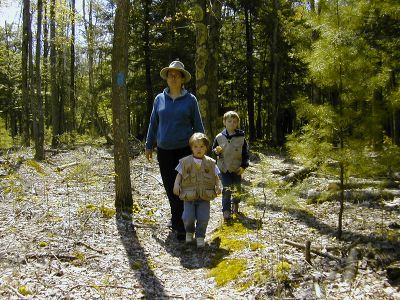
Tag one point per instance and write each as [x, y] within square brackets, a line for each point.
[61, 257]
[303, 247]
[62, 167]
[90, 247]
[351, 265]
[20, 296]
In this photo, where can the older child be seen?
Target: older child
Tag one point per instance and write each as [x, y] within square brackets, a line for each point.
[197, 183]
[233, 158]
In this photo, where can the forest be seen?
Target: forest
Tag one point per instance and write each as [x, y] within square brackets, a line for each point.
[316, 84]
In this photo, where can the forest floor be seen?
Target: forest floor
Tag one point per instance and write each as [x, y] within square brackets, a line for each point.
[60, 239]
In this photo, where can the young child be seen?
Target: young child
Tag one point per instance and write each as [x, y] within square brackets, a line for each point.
[197, 183]
[233, 158]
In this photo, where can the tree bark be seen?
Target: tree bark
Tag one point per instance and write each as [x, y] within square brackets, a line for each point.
[201, 59]
[250, 74]
[55, 104]
[207, 48]
[123, 192]
[147, 62]
[38, 119]
[26, 28]
[212, 67]
[274, 77]
[90, 53]
[72, 70]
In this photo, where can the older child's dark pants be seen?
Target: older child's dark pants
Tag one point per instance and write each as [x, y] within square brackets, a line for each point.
[168, 160]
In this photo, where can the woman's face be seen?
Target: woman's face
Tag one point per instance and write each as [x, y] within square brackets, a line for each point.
[175, 79]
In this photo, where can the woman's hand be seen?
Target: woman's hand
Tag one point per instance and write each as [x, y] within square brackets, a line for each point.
[149, 154]
[240, 171]
[218, 189]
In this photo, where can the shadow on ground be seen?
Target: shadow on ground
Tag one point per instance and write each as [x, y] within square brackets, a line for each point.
[138, 261]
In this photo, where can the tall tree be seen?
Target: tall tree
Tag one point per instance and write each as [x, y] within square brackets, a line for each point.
[37, 109]
[72, 69]
[250, 71]
[274, 75]
[123, 192]
[206, 18]
[55, 103]
[26, 88]
[147, 61]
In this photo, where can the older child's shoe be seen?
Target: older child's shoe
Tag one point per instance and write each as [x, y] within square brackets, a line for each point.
[227, 215]
[189, 237]
[235, 208]
[200, 242]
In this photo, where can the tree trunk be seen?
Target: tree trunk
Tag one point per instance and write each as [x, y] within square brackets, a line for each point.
[12, 111]
[147, 62]
[201, 59]
[55, 104]
[72, 70]
[274, 77]
[212, 68]
[250, 74]
[47, 104]
[341, 202]
[26, 29]
[207, 49]
[38, 123]
[123, 197]
[90, 53]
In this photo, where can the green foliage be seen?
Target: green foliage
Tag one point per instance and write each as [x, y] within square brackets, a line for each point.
[81, 173]
[5, 137]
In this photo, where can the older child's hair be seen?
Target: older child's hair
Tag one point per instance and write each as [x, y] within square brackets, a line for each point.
[198, 136]
[231, 114]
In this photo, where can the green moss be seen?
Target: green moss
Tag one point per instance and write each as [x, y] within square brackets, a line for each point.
[36, 166]
[255, 246]
[24, 291]
[227, 270]
[137, 265]
[260, 277]
[136, 208]
[231, 230]
[42, 244]
[107, 213]
[282, 270]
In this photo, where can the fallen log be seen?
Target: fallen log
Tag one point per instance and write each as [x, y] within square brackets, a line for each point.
[317, 252]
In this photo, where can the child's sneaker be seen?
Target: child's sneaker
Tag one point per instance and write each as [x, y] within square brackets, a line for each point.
[200, 242]
[227, 215]
[189, 237]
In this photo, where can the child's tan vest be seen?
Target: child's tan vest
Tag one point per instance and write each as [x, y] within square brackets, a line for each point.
[231, 157]
[198, 181]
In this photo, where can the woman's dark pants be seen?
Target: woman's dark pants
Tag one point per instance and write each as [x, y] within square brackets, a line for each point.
[167, 161]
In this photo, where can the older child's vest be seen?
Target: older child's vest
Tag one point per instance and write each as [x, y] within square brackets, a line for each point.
[198, 181]
[231, 158]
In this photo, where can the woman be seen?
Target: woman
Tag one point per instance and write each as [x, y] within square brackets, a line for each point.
[174, 118]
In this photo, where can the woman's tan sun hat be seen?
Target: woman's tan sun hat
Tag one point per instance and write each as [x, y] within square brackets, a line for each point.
[178, 66]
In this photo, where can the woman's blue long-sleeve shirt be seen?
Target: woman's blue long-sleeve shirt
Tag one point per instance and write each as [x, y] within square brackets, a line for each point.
[172, 122]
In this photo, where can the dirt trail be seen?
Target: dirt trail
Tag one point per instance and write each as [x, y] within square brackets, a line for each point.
[60, 240]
